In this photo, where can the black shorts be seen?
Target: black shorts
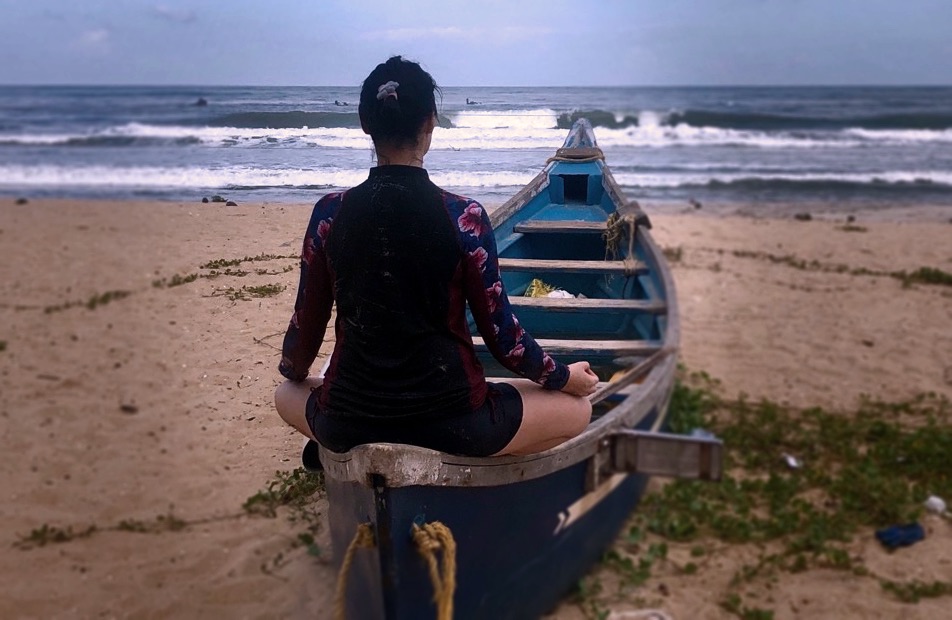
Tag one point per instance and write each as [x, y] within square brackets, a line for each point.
[483, 432]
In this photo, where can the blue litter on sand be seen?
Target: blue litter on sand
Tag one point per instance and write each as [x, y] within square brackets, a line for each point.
[897, 536]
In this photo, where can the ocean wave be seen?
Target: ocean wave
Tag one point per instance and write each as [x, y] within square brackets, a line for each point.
[771, 122]
[286, 120]
[598, 118]
[484, 130]
[896, 127]
[295, 119]
[899, 136]
[523, 120]
[234, 177]
[898, 180]
[546, 118]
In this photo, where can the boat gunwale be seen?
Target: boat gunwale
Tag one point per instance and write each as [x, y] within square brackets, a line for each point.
[404, 465]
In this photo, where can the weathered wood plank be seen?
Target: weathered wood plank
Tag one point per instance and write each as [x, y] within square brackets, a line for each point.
[618, 348]
[662, 454]
[572, 304]
[561, 226]
[571, 266]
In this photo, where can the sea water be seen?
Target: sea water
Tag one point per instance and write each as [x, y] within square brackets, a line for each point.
[758, 150]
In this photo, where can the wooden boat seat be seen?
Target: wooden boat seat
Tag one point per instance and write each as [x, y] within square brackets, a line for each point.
[560, 226]
[572, 266]
[589, 348]
[560, 304]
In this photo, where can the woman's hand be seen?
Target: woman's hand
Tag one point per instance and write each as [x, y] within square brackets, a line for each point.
[582, 381]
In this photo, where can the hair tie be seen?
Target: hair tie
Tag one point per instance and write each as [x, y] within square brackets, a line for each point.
[387, 90]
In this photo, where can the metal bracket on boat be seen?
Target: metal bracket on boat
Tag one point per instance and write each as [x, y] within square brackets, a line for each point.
[656, 454]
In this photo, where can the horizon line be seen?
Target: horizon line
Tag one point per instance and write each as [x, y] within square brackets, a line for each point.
[574, 87]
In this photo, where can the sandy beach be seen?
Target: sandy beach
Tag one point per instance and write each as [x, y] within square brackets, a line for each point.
[131, 394]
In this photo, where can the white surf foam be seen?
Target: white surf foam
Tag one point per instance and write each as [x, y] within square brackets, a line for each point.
[47, 176]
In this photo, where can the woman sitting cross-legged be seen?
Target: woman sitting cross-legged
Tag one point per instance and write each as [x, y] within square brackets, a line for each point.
[402, 258]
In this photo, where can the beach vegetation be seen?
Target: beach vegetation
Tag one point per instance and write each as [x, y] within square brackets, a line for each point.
[923, 275]
[96, 300]
[852, 228]
[48, 534]
[175, 280]
[674, 255]
[914, 591]
[168, 522]
[3, 345]
[221, 263]
[926, 275]
[295, 489]
[732, 603]
[247, 293]
[853, 472]
[587, 596]
[295, 492]
[222, 267]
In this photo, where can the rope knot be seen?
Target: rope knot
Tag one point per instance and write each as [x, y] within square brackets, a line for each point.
[430, 539]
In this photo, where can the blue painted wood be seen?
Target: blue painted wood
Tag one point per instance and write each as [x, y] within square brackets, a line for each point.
[512, 562]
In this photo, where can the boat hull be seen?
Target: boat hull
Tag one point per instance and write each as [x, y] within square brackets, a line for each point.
[521, 547]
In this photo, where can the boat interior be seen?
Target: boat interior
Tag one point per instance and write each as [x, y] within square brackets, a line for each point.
[612, 308]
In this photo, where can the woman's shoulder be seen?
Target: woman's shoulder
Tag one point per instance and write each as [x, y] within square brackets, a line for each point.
[457, 200]
[464, 208]
[329, 203]
[471, 219]
[323, 215]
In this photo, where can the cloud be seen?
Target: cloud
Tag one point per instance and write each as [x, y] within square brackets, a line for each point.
[93, 40]
[172, 14]
[499, 34]
[410, 34]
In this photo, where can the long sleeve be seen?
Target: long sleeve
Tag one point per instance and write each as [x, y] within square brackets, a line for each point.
[508, 342]
[315, 296]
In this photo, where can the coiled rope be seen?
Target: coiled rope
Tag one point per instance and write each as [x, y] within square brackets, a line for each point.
[615, 227]
[578, 155]
[430, 539]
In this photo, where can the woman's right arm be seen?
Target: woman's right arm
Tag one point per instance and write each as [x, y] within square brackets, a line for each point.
[315, 296]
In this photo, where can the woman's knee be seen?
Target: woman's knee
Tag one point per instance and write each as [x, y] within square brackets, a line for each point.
[579, 416]
[281, 397]
[287, 399]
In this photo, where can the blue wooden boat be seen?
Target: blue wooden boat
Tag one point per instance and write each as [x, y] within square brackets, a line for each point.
[526, 529]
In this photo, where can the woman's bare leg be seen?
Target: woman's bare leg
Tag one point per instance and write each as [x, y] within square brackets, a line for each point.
[290, 399]
[548, 418]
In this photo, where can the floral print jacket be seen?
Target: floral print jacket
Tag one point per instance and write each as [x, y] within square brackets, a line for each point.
[449, 242]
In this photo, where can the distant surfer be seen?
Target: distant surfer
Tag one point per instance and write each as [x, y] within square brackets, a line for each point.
[336, 102]
[471, 102]
[201, 102]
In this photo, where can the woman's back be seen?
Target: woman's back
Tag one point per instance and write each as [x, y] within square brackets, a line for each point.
[396, 264]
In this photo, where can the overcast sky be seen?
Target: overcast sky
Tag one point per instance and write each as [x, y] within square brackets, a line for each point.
[477, 43]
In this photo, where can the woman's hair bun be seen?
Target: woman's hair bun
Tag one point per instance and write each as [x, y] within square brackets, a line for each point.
[396, 99]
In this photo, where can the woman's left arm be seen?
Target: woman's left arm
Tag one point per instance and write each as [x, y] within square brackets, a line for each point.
[315, 297]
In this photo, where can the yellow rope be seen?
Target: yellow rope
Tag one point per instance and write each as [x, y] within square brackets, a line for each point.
[615, 227]
[577, 155]
[363, 538]
[431, 538]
